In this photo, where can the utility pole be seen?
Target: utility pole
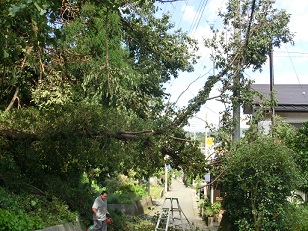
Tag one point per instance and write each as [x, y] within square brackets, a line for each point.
[166, 158]
[205, 136]
[236, 135]
[272, 85]
[166, 178]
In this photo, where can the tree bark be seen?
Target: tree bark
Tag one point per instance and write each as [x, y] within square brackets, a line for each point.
[15, 96]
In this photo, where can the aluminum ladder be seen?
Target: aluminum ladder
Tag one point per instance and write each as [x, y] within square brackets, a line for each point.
[172, 216]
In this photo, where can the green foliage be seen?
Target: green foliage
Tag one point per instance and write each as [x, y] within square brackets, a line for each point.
[83, 78]
[298, 216]
[141, 224]
[216, 206]
[261, 174]
[297, 140]
[126, 194]
[251, 40]
[19, 221]
[208, 211]
[205, 204]
[29, 212]
[121, 189]
[122, 223]
[265, 31]
[155, 191]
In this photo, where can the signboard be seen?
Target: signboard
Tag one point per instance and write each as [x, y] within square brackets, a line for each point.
[209, 141]
[207, 177]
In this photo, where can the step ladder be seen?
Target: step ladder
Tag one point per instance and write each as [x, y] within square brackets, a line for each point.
[171, 216]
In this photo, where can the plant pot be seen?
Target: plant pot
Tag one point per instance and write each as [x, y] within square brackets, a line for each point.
[216, 216]
[209, 221]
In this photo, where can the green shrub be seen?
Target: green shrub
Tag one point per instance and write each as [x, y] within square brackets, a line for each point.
[57, 212]
[126, 194]
[298, 218]
[216, 207]
[261, 174]
[123, 223]
[119, 222]
[203, 204]
[141, 224]
[33, 211]
[155, 191]
[19, 221]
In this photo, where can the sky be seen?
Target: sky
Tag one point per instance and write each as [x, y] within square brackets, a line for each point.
[196, 17]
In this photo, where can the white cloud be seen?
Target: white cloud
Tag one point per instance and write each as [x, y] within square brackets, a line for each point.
[189, 13]
[213, 8]
[299, 16]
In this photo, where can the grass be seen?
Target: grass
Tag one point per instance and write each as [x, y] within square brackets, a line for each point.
[155, 191]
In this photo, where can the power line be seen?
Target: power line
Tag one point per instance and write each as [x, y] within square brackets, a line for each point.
[296, 75]
[211, 25]
[182, 14]
[292, 52]
[293, 56]
[174, 8]
[196, 16]
[203, 8]
[212, 110]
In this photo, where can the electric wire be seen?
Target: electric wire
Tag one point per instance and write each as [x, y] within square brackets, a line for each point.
[292, 52]
[174, 8]
[297, 76]
[203, 8]
[182, 14]
[196, 16]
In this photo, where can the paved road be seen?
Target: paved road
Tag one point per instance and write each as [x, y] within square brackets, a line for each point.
[188, 203]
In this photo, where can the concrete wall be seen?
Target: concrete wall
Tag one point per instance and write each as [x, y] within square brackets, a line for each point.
[136, 208]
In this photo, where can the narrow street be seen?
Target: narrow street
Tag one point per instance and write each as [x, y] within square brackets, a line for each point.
[188, 202]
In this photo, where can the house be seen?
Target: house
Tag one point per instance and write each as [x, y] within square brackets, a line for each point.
[292, 105]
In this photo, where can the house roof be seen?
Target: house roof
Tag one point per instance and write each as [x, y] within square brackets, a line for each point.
[291, 97]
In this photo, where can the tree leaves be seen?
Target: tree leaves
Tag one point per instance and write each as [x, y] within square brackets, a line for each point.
[22, 5]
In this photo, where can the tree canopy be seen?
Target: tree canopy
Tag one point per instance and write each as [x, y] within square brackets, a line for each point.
[82, 92]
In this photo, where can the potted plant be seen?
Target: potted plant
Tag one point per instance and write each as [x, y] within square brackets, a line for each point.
[216, 206]
[208, 213]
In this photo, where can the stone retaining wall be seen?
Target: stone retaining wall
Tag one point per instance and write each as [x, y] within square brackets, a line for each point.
[136, 208]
